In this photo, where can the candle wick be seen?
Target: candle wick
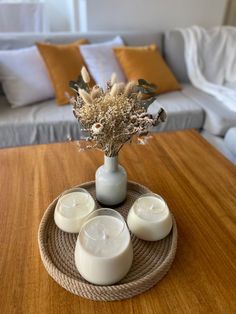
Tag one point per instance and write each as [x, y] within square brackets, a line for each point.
[75, 203]
[105, 236]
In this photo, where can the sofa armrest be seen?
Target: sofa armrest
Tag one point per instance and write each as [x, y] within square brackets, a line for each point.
[174, 55]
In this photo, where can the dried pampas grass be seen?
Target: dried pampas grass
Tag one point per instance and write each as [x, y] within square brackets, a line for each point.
[113, 117]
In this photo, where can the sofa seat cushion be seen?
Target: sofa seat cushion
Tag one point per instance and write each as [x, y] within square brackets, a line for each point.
[230, 140]
[218, 118]
[46, 123]
[36, 124]
[182, 112]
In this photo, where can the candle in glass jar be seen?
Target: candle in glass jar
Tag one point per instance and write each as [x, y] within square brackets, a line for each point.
[72, 208]
[149, 218]
[103, 253]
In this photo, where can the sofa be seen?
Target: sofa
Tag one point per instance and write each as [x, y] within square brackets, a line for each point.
[46, 122]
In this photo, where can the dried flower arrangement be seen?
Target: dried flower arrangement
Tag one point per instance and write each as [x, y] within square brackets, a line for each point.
[111, 118]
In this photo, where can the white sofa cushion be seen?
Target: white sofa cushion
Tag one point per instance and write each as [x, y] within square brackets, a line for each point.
[101, 61]
[218, 118]
[24, 76]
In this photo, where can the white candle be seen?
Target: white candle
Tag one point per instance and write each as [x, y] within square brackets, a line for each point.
[149, 218]
[103, 253]
[72, 208]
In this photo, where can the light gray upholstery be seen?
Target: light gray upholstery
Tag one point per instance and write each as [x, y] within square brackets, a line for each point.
[9, 41]
[230, 140]
[182, 112]
[35, 124]
[46, 122]
[21, 40]
[218, 119]
[174, 55]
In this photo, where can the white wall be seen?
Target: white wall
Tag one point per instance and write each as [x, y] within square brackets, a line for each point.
[58, 14]
[121, 15]
[153, 14]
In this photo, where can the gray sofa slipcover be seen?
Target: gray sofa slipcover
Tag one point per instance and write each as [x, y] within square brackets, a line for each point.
[182, 112]
[39, 123]
[45, 122]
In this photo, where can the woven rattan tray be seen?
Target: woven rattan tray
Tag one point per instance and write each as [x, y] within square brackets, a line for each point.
[152, 260]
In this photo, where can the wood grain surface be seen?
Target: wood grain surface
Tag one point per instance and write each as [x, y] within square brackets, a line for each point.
[197, 182]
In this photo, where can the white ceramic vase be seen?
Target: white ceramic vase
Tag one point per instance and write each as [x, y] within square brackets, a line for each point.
[111, 182]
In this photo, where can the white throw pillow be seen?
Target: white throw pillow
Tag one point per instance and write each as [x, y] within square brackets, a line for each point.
[24, 77]
[101, 60]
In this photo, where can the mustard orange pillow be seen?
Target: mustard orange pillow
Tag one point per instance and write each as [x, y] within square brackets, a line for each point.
[64, 63]
[147, 63]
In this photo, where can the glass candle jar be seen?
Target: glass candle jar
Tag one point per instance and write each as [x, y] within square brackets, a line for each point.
[104, 253]
[72, 208]
[149, 218]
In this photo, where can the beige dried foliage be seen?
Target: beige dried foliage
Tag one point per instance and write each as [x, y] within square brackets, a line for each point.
[121, 87]
[113, 79]
[113, 117]
[114, 90]
[85, 96]
[85, 75]
[129, 87]
[96, 92]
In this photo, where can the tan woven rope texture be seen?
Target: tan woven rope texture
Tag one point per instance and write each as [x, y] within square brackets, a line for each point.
[152, 260]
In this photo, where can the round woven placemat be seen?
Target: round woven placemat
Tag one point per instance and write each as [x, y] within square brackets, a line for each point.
[152, 260]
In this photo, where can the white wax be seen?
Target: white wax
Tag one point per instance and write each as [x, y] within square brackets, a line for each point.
[149, 218]
[150, 208]
[103, 253]
[72, 209]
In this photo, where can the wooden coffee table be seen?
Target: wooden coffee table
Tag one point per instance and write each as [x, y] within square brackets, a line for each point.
[199, 185]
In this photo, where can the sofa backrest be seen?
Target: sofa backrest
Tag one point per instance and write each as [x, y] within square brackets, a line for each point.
[10, 41]
[21, 40]
[174, 54]
[171, 44]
